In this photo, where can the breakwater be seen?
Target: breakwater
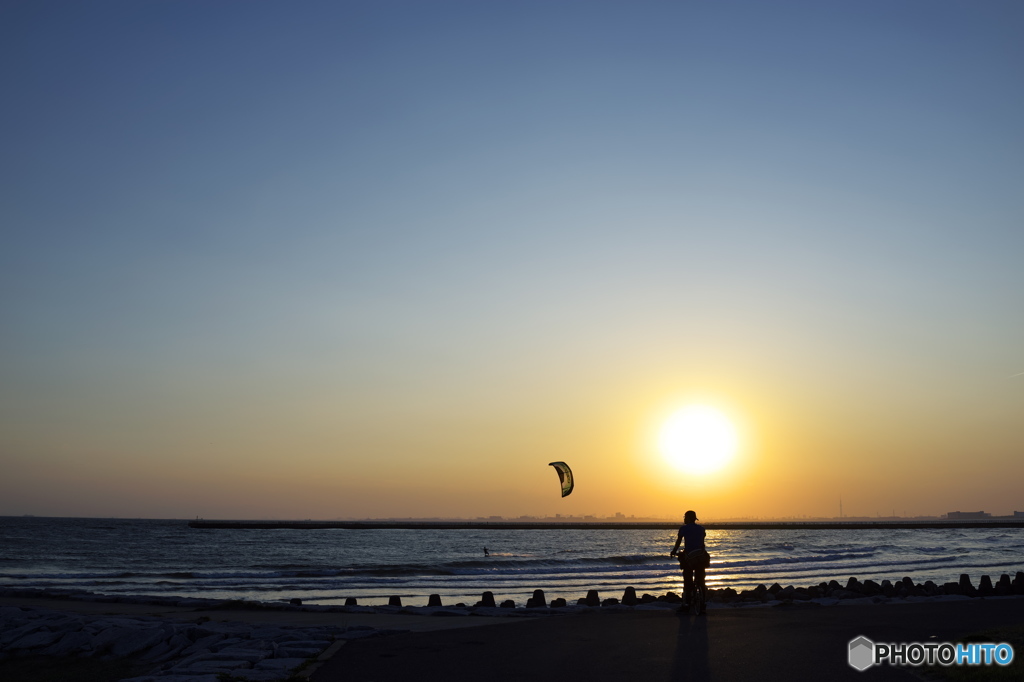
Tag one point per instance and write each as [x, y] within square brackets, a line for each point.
[584, 525]
[824, 593]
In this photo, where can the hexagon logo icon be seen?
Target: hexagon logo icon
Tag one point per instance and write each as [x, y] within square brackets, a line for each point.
[862, 653]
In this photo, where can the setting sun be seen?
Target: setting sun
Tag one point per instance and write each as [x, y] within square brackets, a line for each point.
[698, 439]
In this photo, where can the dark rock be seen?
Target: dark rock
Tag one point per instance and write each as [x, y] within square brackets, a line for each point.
[871, 588]
[673, 598]
[629, 596]
[834, 585]
[63, 624]
[593, 599]
[887, 588]
[845, 594]
[557, 603]
[72, 642]
[760, 589]
[966, 587]
[931, 589]
[136, 641]
[8, 634]
[164, 651]
[985, 587]
[395, 601]
[912, 590]
[295, 652]
[854, 585]
[434, 600]
[1018, 583]
[486, 599]
[270, 664]
[37, 640]
[647, 598]
[582, 601]
[610, 601]
[817, 592]
[1004, 586]
[662, 598]
[508, 604]
[202, 642]
[461, 605]
[728, 594]
[775, 588]
[538, 598]
[296, 601]
[351, 601]
[105, 639]
[951, 588]
[749, 595]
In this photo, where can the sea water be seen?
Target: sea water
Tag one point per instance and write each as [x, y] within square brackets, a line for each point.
[158, 557]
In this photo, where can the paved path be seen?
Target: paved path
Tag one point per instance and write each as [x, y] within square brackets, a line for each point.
[764, 644]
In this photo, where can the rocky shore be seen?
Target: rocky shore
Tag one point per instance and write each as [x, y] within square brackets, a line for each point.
[856, 589]
[201, 650]
[175, 650]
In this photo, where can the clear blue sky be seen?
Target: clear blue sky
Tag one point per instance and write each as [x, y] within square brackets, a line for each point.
[254, 247]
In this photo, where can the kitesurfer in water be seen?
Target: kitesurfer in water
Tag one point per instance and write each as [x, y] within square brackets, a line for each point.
[486, 553]
[694, 558]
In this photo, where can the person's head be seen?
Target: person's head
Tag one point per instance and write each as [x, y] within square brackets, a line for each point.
[690, 517]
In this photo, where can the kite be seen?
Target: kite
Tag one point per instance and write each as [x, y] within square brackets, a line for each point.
[564, 476]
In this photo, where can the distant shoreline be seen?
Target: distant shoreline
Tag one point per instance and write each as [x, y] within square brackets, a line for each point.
[582, 525]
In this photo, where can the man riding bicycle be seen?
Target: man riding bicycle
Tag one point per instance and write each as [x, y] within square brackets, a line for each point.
[693, 560]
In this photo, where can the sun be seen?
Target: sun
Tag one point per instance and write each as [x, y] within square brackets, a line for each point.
[698, 439]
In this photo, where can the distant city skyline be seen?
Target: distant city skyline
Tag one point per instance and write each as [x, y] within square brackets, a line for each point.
[620, 516]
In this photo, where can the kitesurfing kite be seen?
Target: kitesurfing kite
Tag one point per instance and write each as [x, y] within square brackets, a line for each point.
[564, 476]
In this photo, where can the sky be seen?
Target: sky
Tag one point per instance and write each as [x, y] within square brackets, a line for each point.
[390, 259]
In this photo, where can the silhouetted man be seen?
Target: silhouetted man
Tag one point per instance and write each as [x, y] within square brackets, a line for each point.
[693, 560]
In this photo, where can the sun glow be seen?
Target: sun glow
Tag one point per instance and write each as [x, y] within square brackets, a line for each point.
[698, 439]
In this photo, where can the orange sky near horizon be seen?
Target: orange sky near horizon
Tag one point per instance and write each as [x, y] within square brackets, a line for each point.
[798, 453]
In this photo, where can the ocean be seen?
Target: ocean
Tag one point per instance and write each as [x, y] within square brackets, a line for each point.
[166, 557]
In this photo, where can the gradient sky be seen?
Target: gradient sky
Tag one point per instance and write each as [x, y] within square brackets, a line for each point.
[328, 259]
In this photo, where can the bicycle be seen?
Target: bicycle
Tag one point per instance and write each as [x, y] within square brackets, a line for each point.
[700, 599]
[696, 594]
